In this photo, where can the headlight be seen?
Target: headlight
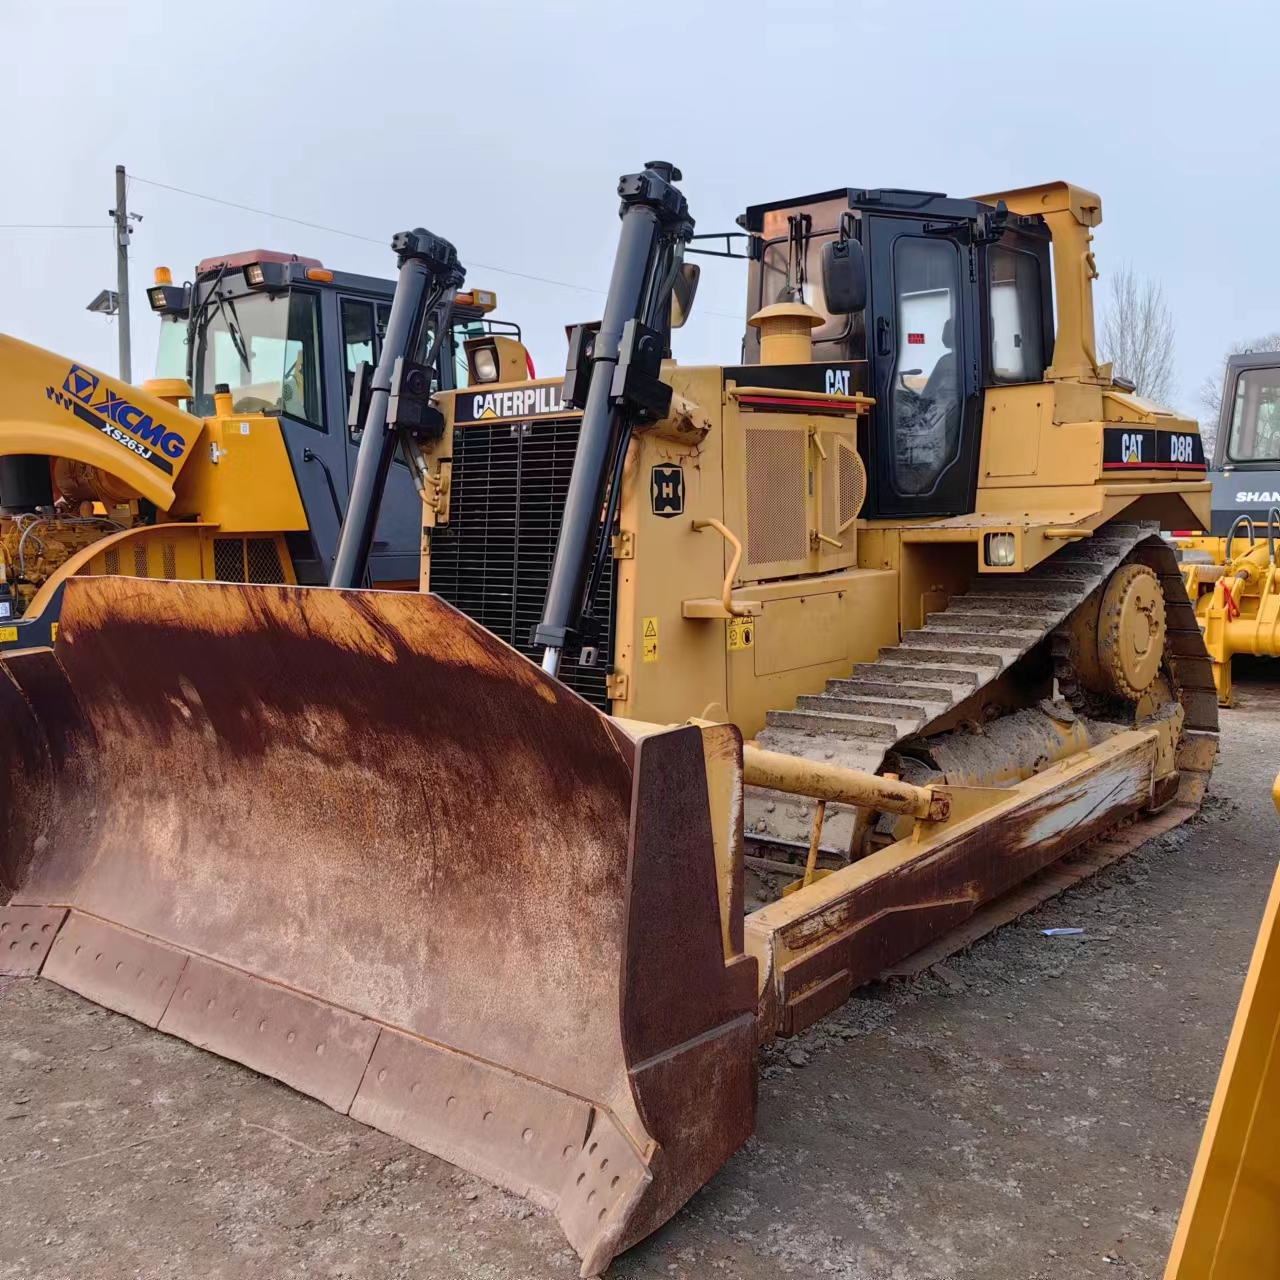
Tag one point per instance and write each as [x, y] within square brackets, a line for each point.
[1001, 550]
[485, 360]
[267, 275]
[167, 299]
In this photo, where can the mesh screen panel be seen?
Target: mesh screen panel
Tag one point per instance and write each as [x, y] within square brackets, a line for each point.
[111, 557]
[228, 559]
[169, 560]
[776, 482]
[139, 560]
[853, 483]
[262, 560]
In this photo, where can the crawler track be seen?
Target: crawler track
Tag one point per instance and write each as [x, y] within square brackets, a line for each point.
[912, 690]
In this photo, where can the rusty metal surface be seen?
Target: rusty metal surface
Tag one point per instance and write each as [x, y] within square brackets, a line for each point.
[26, 934]
[364, 800]
[846, 929]
[475, 1114]
[25, 784]
[356, 795]
[1076, 866]
[311, 1046]
[50, 770]
[102, 962]
[555, 1149]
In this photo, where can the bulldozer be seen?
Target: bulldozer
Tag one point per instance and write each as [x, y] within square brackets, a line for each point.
[1230, 567]
[234, 462]
[886, 603]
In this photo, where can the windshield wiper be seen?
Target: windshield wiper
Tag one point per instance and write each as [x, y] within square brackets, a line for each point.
[198, 325]
[227, 309]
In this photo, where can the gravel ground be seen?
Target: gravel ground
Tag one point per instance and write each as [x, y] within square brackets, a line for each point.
[1030, 1109]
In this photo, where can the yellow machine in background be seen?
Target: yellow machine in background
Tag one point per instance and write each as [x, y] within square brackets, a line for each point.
[1230, 1223]
[100, 477]
[1235, 584]
[142, 488]
[1230, 566]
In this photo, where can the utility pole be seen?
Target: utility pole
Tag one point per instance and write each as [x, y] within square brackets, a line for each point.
[120, 216]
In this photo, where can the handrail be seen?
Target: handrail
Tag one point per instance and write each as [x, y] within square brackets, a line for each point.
[726, 591]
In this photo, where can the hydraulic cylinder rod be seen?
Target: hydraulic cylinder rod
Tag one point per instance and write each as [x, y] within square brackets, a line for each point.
[429, 275]
[651, 209]
[800, 777]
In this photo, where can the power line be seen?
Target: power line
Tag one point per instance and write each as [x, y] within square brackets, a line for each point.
[351, 235]
[355, 235]
[265, 213]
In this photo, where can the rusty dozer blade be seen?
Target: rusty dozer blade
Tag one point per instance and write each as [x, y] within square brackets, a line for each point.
[353, 841]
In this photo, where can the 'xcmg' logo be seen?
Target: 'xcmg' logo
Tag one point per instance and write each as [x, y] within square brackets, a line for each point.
[81, 384]
[118, 410]
[114, 416]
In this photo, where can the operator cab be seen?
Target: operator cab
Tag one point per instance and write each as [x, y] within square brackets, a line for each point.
[1246, 459]
[956, 297]
[285, 335]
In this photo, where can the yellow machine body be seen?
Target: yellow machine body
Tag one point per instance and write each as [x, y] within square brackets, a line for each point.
[145, 489]
[56, 407]
[1230, 1223]
[1235, 585]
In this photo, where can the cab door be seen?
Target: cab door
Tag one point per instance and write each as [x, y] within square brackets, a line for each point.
[923, 348]
[398, 538]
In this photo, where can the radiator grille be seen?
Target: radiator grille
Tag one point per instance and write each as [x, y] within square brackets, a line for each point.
[493, 559]
[262, 560]
[776, 480]
[228, 559]
[139, 560]
[246, 560]
[169, 553]
[111, 560]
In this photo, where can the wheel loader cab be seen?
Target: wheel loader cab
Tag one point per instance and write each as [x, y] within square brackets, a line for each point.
[1229, 566]
[1246, 459]
[235, 463]
[285, 336]
[958, 299]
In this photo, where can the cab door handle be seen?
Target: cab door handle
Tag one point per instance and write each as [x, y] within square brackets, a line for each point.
[882, 336]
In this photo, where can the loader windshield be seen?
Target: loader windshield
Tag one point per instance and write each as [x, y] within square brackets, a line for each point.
[266, 348]
[1255, 417]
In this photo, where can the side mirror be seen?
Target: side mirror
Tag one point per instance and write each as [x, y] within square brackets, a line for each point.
[844, 277]
[682, 293]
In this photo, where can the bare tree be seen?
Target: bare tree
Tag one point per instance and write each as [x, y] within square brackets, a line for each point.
[1211, 387]
[1137, 334]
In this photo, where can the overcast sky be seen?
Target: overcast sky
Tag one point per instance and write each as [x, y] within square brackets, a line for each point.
[504, 126]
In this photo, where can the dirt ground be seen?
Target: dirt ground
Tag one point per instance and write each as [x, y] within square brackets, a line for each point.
[1032, 1112]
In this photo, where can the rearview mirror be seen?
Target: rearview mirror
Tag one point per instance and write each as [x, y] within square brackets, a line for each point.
[844, 277]
[682, 294]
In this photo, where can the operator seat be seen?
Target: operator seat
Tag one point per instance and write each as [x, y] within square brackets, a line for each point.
[941, 385]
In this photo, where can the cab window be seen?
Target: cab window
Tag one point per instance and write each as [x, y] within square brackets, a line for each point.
[1255, 417]
[1017, 346]
[300, 394]
[926, 394]
[357, 336]
[266, 349]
